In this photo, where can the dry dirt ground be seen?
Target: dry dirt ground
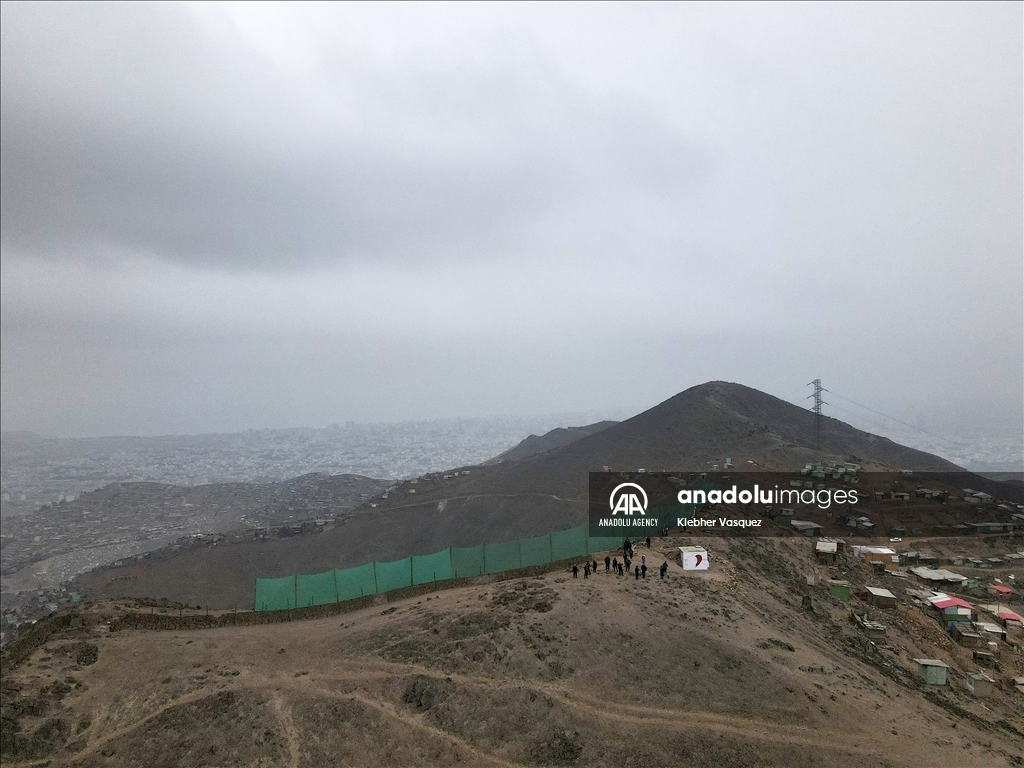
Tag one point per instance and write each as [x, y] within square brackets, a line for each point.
[725, 668]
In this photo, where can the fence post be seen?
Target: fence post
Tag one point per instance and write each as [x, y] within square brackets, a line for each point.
[376, 586]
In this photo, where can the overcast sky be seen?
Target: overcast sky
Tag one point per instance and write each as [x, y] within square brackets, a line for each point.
[217, 217]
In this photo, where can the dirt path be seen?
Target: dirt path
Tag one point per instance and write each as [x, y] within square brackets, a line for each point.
[283, 711]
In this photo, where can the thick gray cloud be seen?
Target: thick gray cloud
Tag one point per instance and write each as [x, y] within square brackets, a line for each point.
[217, 217]
[194, 147]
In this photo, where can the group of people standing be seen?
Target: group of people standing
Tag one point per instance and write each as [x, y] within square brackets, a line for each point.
[621, 568]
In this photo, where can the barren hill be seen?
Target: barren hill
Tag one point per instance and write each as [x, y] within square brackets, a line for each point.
[536, 494]
[729, 668]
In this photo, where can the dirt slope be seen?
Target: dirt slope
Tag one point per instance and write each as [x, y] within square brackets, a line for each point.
[718, 669]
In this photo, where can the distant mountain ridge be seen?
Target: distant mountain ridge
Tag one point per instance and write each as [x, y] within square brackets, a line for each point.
[556, 438]
[538, 493]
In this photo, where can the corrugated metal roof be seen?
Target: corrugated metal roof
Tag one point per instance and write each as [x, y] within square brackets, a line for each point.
[880, 592]
[948, 602]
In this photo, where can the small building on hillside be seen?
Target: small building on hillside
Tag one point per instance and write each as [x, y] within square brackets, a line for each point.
[965, 635]
[980, 684]
[984, 658]
[839, 589]
[873, 630]
[990, 631]
[952, 609]
[876, 554]
[826, 551]
[932, 671]
[879, 597]
[999, 590]
[861, 523]
[806, 527]
[1010, 621]
[937, 575]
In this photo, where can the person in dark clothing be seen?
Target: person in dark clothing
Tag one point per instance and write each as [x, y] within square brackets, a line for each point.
[663, 569]
[575, 571]
[593, 566]
[648, 542]
[636, 573]
[615, 564]
[643, 570]
[607, 564]
[586, 570]
[628, 563]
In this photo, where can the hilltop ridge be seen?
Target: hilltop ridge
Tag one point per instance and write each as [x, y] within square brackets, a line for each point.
[536, 494]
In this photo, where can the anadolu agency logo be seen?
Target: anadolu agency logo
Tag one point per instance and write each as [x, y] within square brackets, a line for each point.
[626, 506]
[628, 498]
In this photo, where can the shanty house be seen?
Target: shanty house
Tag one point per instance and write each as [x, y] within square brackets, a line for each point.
[999, 590]
[806, 527]
[882, 598]
[826, 552]
[1010, 621]
[951, 608]
[966, 636]
[932, 671]
[980, 684]
[876, 554]
[990, 631]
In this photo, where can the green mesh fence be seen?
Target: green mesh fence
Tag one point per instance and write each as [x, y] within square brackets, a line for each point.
[570, 543]
[458, 562]
[435, 567]
[536, 551]
[501, 557]
[467, 561]
[604, 543]
[275, 594]
[315, 589]
[394, 575]
[355, 582]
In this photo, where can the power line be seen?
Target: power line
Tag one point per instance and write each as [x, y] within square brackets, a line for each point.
[795, 391]
[893, 418]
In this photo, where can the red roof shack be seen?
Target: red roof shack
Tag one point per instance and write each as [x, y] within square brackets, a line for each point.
[999, 590]
[1009, 620]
